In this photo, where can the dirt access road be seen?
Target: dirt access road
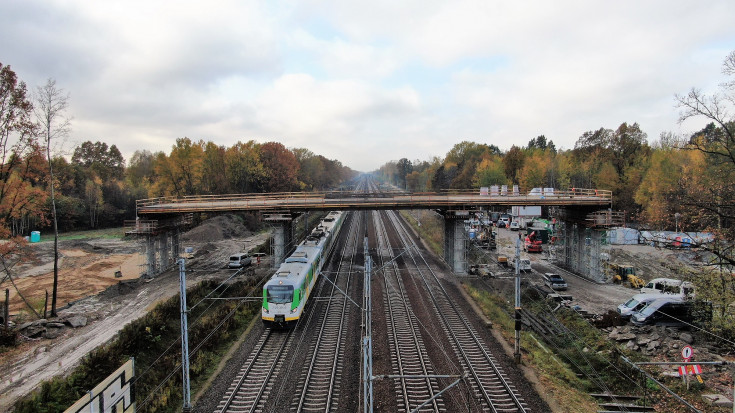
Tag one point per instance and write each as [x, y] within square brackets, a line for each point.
[600, 298]
[24, 368]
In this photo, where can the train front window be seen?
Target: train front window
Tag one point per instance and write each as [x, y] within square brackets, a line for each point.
[280, 294]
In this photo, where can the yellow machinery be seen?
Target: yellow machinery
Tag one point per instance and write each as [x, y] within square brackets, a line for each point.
[622, 273]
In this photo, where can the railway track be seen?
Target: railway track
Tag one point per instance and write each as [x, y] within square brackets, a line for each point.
[409, 356]
[253, 383]
[489, 383]
[319, 382]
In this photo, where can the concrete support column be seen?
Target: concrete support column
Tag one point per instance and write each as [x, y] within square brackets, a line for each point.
[176, 243]
[455, 243]
[282, 236]
[279, 244]
[150, 250]
[163, 249]
[596, 273]
[579, 250]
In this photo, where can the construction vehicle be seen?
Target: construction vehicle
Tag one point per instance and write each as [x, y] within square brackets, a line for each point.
[532, 243]
[503, 260]
[625, 273]
[485, 238]
[482, 270]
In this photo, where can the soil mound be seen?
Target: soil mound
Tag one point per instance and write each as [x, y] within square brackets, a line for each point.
[218, 228]
[84, 246]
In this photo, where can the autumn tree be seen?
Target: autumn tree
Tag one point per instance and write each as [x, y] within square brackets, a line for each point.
[512, 163]
[214, 173]
[490, 171]
[716, 142]
[245, 170]
[179, 173]
[140, 172]
[281, 166]
[22, 170]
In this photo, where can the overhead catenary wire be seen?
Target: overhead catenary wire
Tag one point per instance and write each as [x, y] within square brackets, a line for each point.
[194, 323]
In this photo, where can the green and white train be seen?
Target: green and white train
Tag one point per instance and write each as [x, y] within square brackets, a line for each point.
[286, 293]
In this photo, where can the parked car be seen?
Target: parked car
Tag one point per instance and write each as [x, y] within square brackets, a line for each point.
[669, 310]
[554, 281]
[636, 303]
[239, 260]
[501, 223]
[515, 226]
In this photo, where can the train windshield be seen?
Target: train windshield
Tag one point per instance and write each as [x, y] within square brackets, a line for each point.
[280, 294]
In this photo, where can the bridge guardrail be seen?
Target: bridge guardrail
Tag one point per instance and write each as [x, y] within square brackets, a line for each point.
[335, 199]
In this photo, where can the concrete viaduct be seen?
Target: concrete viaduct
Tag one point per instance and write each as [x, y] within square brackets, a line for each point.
[578, 211]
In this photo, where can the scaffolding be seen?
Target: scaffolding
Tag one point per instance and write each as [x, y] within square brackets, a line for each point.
[577, 248]
[456, 241]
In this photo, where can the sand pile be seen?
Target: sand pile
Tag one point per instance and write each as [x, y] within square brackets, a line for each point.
[218, 228]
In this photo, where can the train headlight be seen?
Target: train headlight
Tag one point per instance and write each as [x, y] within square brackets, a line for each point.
[294, 310]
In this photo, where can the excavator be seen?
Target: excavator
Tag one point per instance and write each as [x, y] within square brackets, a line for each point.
[625, 273]
[532, 243]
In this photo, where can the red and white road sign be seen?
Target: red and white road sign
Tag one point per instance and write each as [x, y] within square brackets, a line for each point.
[687, 352]
[690, 370]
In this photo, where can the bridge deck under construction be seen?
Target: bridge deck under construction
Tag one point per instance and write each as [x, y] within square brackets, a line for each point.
[302, 201]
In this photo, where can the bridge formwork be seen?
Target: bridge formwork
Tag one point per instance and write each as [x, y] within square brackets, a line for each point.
[577, 248]
[456, 242]
[283, 236]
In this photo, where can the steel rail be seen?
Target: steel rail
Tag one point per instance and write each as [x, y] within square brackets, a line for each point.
[249, 368]
[329, 345]
[488, 358]
[328, 321]
[418, 347]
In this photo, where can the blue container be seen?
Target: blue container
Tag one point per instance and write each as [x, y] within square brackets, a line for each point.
[35, 236]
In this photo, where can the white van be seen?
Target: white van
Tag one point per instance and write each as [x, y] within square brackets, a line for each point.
[536, 191]
[525, 265]
[636, 303]
[669, 286]
[239, 260]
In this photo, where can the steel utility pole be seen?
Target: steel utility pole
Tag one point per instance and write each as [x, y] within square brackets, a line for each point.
[367, 340]
[517, 353]
[184, 339]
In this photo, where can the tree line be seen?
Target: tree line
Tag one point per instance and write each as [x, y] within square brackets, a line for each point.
[97, 187]
[684, 182]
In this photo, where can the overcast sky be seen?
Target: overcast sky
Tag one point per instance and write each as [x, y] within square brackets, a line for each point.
[366, 82]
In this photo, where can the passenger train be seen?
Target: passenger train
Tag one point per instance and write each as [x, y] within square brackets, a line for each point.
[286, 293]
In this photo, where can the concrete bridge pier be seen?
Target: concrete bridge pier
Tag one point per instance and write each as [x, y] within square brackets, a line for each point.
[162, 249]
[282, 236]
[150, 250]
[455, 241]
[578, 249]
[176, 243]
